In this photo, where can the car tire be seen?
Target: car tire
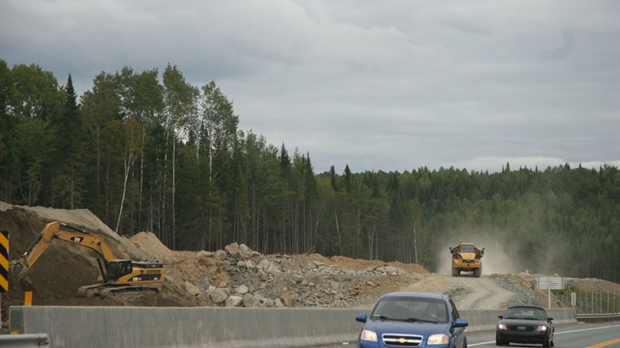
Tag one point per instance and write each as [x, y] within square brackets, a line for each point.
[547, 343]
[499, 342]
[477, 272]
[455, 272]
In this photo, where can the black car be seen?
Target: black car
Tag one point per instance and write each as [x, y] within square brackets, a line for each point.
[525, 324]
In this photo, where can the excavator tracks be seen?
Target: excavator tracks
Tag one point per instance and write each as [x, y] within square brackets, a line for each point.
[107, 290]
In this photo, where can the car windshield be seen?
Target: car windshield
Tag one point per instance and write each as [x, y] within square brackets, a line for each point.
[525, 313]
[410, 309]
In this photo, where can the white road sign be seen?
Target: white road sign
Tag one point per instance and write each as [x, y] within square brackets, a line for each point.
[553, 283]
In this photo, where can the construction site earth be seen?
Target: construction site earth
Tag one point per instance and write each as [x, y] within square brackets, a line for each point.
[240, 277]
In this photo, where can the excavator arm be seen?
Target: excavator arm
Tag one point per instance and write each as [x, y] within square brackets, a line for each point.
[65, 232]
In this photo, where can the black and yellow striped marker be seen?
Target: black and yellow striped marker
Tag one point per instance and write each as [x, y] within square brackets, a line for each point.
[4, 261]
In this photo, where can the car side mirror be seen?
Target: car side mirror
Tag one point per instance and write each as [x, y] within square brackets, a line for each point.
[361, 318]
[549, 318]
[460, 323]
[500, 316]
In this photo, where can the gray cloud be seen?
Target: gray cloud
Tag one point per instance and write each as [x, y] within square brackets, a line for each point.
[376, 85]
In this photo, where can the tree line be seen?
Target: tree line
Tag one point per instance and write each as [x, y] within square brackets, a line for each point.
[162, 155]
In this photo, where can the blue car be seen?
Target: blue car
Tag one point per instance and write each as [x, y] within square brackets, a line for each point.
[412, 319]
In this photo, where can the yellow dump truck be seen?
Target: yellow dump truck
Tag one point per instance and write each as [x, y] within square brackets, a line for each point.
[466, 258]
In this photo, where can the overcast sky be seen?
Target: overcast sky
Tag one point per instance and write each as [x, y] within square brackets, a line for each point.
[375, 84]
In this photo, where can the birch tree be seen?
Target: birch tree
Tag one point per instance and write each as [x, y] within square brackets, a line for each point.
[132, 151]
[219, 125]
[180, 111]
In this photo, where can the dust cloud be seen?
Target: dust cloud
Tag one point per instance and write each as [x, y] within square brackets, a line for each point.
[505, 252]
[497, 257]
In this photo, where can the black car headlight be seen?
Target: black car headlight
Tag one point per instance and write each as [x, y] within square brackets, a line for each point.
[541, 328]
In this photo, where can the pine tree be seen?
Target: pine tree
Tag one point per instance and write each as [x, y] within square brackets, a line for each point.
[69, 147]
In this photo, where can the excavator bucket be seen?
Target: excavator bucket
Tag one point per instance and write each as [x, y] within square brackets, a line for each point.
[18, 277]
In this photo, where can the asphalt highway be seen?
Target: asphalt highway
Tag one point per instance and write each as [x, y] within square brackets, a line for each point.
[578, 335]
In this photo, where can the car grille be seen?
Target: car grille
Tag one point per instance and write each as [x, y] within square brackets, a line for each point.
[521, 328]
[400, 340]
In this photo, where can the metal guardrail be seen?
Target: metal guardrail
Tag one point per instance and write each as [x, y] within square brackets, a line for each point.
[24, 341]
[590, 318]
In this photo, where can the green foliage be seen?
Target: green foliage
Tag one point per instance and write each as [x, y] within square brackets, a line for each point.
[34, 149]
[168, 157]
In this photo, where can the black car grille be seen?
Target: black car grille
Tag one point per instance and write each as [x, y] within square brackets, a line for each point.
[399, 340]
[521, 328]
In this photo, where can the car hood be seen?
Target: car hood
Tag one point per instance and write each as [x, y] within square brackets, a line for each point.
[402, 327]
[523, 322]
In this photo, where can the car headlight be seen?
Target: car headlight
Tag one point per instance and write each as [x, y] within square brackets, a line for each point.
[368, 335]
[501, 326]
[438, 339]
[541, 328]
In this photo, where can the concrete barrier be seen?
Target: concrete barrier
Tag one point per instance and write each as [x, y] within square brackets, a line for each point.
[209, 327]
[151, 327]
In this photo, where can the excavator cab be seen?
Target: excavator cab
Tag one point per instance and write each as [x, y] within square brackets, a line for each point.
[128, 272]
[118, 269]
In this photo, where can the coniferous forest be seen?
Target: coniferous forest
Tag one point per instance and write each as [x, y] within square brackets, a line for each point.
[146, 151]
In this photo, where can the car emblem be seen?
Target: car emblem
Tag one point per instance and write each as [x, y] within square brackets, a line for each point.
[402, 340]
[521, 328]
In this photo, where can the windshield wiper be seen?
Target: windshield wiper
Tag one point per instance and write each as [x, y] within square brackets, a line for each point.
[420, 319]
[410, 320]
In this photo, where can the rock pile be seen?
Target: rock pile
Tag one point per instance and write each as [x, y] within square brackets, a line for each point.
[257, 280]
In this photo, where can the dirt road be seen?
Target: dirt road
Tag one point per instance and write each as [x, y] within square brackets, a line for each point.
[466, 292]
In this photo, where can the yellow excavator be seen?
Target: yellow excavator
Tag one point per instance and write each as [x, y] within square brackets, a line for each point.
[117, 275]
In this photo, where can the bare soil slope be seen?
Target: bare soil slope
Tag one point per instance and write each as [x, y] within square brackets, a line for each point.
[237, 276]
[467, 292]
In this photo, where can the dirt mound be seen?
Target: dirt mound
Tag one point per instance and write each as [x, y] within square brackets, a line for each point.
[595, 285]
[149, 243]
[359, 264]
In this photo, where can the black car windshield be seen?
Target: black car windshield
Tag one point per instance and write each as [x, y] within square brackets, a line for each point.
[410, 309]
[525, 313]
